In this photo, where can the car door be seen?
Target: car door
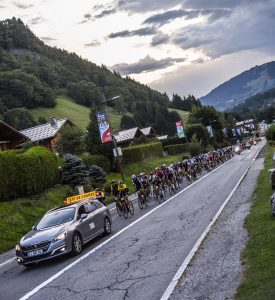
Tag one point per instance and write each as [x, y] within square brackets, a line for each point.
[96, 218]
[83, 224]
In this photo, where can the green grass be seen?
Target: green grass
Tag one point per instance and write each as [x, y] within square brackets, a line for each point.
[78, 114]
[259, 255]
[144, 166]
[183, 114]
[18, 216]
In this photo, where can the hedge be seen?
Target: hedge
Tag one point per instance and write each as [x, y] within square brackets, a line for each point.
[177, 149]
[173, 141]
[98, 160]
[141, 152]
[27, 172]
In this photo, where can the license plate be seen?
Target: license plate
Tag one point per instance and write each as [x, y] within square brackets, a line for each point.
[34, 253]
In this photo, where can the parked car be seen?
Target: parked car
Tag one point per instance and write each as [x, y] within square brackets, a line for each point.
[64, 230]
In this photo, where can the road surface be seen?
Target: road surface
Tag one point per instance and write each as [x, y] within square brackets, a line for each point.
[141, 261]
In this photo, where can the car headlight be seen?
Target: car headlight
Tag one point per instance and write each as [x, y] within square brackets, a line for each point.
[17, 247]
[60, 237]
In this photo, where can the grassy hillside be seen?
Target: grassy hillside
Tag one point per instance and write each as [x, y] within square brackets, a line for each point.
[183, 114]
[78, 114]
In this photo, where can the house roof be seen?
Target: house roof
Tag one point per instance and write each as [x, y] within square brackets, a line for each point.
[126, 135]
[44, 131]
[148, 130]
[8, 133]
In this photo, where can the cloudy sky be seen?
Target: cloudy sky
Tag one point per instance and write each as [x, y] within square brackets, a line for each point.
[177, 46]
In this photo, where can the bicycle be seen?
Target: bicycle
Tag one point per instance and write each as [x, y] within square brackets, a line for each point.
[124, 207]
[142, 198]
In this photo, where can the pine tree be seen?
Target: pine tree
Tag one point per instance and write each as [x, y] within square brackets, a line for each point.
[97, 175]
[74, 172]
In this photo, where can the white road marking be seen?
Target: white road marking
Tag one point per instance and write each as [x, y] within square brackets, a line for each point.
[7, 262]
[58, 274]
[187, 260]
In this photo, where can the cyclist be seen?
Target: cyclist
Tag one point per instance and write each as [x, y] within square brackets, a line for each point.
[136, 182]
[100, 195]
[122, 189]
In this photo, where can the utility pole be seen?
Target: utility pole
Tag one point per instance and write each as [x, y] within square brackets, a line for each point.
[117, 157]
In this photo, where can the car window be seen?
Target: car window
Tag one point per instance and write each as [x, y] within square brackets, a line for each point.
[88, 207]
[98, 204]
[94, 207]
[81, 210]
[56, 218]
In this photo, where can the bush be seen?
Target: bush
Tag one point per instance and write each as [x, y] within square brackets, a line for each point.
[27, 172]
[270, 133]
[98, 160]
[176, 149]
[97, 176]
[141, 152]
[195, 149]
[173, 141]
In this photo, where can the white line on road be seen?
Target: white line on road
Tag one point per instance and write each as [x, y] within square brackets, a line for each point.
[187, 260]
[7, 262]
[58, 274]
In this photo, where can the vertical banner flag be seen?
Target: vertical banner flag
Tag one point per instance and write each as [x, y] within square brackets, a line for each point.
[104, 127]
[210, 131]
[180, 130]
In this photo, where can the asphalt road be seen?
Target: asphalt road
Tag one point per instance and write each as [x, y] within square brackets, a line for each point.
[141, 261]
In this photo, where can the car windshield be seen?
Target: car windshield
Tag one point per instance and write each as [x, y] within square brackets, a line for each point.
[56, 218]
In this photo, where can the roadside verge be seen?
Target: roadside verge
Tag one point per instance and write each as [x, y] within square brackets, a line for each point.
[259, 255]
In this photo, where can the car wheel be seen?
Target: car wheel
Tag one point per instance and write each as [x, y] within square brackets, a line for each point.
[76, 244]
[107, 226]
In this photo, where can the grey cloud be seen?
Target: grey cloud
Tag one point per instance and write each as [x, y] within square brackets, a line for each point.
[37, 20]
[22, 6]
[163, 18]
[198, 61]
[87, 17]
[166, 17]
[245, 28]
[138, 32]
[160, 38]
[93, 43]
[48, 39]
[147, 64]
[105, 12]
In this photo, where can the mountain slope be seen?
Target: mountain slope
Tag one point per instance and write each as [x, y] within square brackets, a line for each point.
[33, 74]
[78, 114]
[247, 84]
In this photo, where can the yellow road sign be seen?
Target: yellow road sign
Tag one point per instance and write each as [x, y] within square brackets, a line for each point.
[77, 198]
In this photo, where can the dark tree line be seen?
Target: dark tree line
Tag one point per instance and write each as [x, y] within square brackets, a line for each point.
[185, 103]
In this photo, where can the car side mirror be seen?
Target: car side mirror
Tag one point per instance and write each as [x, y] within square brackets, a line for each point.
[33, 228]
[83, 216]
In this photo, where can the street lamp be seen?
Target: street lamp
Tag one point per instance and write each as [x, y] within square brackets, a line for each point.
[113, 136]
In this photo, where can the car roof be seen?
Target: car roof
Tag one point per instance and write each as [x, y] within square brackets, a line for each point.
[74, 205]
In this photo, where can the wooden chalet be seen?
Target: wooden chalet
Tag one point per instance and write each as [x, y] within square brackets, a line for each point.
[10, 138]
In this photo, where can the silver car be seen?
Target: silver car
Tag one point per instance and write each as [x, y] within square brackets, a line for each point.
[64, 230]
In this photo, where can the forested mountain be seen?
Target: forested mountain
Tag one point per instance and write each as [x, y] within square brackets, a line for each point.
[32, 74]
[247, 84]
[260, 107]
